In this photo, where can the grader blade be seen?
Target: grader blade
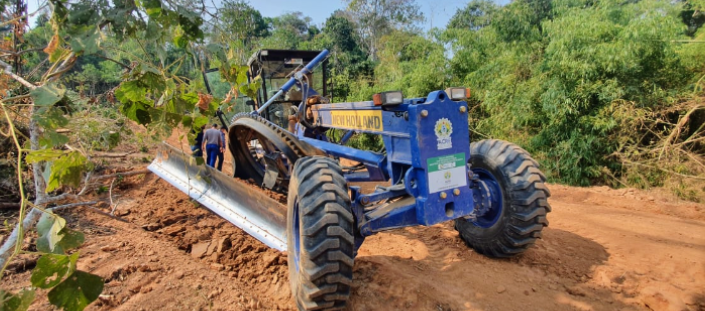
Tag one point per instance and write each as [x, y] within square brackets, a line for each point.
[242, 205]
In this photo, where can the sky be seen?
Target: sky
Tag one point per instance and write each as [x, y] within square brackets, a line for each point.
[436, 12]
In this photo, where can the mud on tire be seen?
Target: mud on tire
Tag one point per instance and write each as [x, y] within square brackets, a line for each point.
[524, 200]
[320, 235]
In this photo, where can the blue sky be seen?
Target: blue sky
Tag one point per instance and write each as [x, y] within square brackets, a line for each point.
[437, 12]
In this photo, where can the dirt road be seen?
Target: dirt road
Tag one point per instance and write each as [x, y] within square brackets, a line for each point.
[604, 250]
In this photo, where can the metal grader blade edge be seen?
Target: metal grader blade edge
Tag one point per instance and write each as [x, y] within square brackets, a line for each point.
[245, 207]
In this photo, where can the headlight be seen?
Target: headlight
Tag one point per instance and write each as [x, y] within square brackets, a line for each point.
[458, 93]
[390, 98]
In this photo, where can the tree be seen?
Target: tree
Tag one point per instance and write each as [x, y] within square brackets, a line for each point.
[377, 18]
[288, 31]
[550, 75]
[240, 22]
[476, 15]
[340, 36]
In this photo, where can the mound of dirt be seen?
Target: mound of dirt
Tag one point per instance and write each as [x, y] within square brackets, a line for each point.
[174, 219]
[604, 250]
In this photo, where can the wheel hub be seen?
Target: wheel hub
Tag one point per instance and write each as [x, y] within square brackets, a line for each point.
[487, 196]
[482, 196]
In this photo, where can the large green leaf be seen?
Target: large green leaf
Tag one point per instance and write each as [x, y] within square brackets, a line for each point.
[54, 236]
[180, 38]
[52, 268]
[49, 228]
[168, 118]
[70, 239]
[253, 87]
[67, 170]
[153, 7]
[66, 167]
[18, 302]
[137, 111]
[131, 91]
[184, 102]
[241, 77]
[76, 291]
[47, 94]
[43, 155]
[153, 79]
[199, 122]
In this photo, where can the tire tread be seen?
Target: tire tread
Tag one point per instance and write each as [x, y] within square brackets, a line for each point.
[326, 256]
[527, 205]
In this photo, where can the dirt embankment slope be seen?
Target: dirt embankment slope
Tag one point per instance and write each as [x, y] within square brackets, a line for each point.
[604, 250]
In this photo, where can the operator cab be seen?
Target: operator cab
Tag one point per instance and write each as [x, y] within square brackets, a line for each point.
[274, 67]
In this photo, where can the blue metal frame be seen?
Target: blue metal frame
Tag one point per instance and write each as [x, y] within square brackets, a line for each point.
[427, 150]
[409, 134]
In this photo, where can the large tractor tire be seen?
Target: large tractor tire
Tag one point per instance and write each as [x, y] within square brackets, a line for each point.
[517, 202]
[320, 235]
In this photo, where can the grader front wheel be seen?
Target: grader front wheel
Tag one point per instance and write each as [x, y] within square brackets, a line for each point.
[514, 194]
[320, 235]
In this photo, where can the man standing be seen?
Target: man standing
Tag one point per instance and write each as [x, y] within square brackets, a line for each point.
[212, 143]
[197, 148]
[221, 154]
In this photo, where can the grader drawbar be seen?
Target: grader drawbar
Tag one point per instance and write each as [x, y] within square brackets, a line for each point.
[429, 172]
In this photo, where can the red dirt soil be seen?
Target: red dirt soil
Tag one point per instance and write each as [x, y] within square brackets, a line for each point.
[604, 250]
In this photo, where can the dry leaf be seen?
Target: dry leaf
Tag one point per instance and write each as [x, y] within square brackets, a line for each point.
[232, 94]
[53, 44]
[204, 101]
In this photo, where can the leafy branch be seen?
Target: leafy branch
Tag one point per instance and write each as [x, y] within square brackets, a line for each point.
[79, 29]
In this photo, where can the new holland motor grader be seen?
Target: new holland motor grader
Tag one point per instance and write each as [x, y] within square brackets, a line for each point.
[428, 172]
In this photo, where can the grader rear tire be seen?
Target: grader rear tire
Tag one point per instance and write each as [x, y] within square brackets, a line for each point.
[320, 235]
[518, 213]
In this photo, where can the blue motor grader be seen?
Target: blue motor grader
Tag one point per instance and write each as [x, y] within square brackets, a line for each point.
[428, 172]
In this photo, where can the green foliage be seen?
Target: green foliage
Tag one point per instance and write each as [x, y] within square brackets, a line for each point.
[17, 302]
[549, 75]
[101, 189]
[76, 291]
[288, 31]
[378, 18]
[47, 95]
[243, 21]
[54, 236]
[89, 44]
[476, 15]
[69, 288]
[52, 268]
[563, 78]
[66, 169]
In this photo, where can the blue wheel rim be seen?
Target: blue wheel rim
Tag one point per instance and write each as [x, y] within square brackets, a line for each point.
[297, 237]
[495, 200]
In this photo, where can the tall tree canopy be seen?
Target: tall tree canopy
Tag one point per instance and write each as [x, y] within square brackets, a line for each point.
[377, 18]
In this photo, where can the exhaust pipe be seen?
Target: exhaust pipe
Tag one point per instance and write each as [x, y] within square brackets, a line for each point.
[249, 209]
